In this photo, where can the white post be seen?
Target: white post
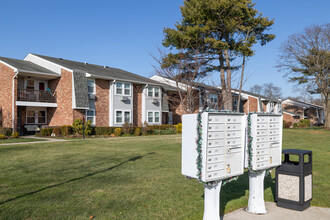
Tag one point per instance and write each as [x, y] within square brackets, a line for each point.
[256, 197]
[212, 202]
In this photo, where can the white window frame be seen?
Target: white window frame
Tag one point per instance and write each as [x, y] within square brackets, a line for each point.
[94, 91]
[123, 88]
[36, 119]
[154, 117]
[123, 116]
[94, 116]
[153, 92]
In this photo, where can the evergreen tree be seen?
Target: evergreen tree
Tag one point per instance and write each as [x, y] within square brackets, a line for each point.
[221, 31]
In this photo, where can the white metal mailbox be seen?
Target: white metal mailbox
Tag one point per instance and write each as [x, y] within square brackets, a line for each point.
[266, 131]
[222, 145]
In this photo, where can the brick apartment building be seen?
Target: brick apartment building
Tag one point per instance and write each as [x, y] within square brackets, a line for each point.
[210, 96]
[294, 110]
[46, 91]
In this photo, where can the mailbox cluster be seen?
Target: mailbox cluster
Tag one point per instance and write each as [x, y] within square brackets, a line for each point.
[266, 131]
[224, 141]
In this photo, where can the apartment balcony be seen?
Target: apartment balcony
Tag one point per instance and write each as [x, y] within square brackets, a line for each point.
[37, 98]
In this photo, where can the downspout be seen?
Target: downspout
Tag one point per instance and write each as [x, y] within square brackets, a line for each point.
[13, 103]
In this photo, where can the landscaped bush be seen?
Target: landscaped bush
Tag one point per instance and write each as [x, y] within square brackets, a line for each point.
[137, 131]
[2, 136]
[78, 127]
[5, 131]
[15, 135]
[128, 128]
[287, 124]
[146, 129]
[295, 125]
[304, 123]
[118, 132]
[57, 131]
[104, 130]
[178, 128]
[66, 130]
[47, 131]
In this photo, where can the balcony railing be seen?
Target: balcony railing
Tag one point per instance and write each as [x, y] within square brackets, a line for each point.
[30, 95]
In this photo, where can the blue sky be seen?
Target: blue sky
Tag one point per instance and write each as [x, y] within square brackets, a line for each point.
[122, 34]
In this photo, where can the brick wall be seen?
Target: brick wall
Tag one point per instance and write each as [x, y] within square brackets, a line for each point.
[288, 118]
[63, 115]
[78, 114]
[6, 99]
[253, 104]
[102, 102]
[264, 106]
[294, 109]
[137, 104]
[245, 104]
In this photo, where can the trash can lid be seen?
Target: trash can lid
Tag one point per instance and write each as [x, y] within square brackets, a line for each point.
[296, 151]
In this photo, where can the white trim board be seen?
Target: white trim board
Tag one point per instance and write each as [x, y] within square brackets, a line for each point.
[36, 104]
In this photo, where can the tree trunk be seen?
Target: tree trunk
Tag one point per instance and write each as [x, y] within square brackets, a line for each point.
[327, 115]
[229, 98]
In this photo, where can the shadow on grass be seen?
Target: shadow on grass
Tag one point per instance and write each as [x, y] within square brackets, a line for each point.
[75, 179]
[237, 189]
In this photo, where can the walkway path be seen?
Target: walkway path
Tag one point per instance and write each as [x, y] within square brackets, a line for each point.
[46, 140]
[277, 213]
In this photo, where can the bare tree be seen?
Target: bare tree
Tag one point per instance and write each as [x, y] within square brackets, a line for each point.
[257, 89]
[267, 89]
[306, 59]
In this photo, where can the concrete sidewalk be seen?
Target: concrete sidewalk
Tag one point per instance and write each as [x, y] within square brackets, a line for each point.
[278, 213]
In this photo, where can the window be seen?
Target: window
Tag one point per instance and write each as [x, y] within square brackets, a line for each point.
[150, 117]
[123, 116]
[212, 101]
[150, 91]
[90, 116]
[153, 92]
[30, 117]
[156, 92]
[41, 117]
[127, 89]
[119, 117]
[36, 116]
[235, 102]
[123, 88]
[30, 84]
[153, 117]
[91, 86]
[156, 117]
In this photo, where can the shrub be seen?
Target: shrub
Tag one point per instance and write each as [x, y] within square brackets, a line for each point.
[118, 132]
[128, 128]
[78, 127]
[104, 130]
[57, 131]
[2, 136]
[47, 131]
[287, 124]
[15, 135]
[137, 131]
[304, 123]
[146, 129]
[66, 130]
[5, 131]
[295, 125]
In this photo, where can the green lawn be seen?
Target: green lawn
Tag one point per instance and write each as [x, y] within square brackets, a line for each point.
[19, 140]
[129, 178]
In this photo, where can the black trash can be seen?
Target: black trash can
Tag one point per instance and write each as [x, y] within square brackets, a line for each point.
[294, 180]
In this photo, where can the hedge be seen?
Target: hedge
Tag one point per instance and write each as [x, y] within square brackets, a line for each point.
[5, 131]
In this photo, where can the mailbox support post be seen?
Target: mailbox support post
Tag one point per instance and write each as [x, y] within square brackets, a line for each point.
[212, 202]
[256, 197]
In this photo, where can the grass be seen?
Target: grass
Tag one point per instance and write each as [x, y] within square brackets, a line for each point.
[19, 140]
[128, 178]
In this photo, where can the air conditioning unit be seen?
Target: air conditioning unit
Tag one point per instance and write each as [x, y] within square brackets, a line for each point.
[124, 98]
[91, 96]
[155, 101]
